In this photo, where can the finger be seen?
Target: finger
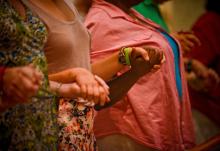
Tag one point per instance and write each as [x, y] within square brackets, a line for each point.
[151, 52]
[187, 43]
[90, 93]
[103, 98]
[27, 87]
[38, 77]
[84, 91]
[90, 104]
[24, 86]
[102, 83]
[18, 96]
[156, 57]
[70, 91]
[96, 94]
[194, 39]
[156, 67]
[75, 90]
[213, 75]
[32, 73]
[140, 52]
[29, 72]
[186, 49]
[163, 59]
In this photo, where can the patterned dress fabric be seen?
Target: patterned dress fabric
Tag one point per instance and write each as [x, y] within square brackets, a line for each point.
[76, 124]
[69, 39]
[31, 126]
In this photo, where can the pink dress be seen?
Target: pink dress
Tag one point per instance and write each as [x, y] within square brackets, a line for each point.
[151, 113]
[68, 47]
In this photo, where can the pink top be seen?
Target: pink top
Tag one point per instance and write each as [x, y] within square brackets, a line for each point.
[69, 39]
[151, 113]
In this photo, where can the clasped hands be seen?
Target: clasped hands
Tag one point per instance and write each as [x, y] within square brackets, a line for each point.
[21, 83]
[146, 59]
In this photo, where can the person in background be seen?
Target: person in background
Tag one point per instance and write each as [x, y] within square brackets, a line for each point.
[155, 114]
[150, 10]
[204, 91]
[198, 75]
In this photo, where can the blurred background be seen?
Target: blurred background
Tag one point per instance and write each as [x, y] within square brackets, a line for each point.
[182, 14]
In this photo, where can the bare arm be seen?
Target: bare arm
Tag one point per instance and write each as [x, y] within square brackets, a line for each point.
[118, 88]
[121, 85]
[107, 67]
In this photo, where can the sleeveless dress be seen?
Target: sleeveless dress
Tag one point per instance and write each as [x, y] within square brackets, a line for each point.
[67, 47]
[31, 126]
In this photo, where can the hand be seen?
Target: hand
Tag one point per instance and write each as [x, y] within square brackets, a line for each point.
[68, 90]
[21, 83]
[212, 80]
[92, 87]
[202, 78]
[146, 59]
[199, 68]
[187, 40]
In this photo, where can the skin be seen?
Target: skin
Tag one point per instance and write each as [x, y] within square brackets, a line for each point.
[84, 84]
[19, 84]
[82, 6]
[90, 88]
[143, 61]
[187, 41]
[202, 78]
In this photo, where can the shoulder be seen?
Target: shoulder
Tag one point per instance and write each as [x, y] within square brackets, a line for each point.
[207, 19]
[96, 15]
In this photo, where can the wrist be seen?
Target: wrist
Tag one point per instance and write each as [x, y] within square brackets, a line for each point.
[124, 56]
[57, 89]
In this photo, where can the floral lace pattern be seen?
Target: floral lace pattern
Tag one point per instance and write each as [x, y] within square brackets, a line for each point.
[31, 126]
[76, 124]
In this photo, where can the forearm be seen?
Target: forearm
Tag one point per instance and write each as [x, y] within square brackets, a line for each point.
[67, 76]
[106, 68]
[119, 87]
[68, 90]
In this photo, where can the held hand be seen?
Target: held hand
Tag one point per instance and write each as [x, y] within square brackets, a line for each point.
[92, 87]
[146, 59]
[187, 40]
[20, 83]
[203, 79]
[212, 80]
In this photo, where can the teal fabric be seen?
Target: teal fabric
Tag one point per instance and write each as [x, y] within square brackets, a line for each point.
[175, 49]
[151, 11]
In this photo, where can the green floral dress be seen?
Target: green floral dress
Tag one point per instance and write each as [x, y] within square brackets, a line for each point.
[31, 126]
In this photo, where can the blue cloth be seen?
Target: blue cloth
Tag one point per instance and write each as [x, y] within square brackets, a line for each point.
[175, 49]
